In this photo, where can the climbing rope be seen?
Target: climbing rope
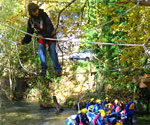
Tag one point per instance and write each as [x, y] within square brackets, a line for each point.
[117, 44]
[147, 51]
[22, 64]
[15, 43]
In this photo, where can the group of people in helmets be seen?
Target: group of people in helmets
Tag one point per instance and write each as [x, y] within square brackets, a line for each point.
[105, 110]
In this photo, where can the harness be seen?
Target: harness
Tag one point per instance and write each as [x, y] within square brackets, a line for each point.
[38, 25]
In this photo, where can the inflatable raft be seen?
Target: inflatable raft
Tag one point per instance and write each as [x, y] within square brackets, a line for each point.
[107, 120]
[71, 119]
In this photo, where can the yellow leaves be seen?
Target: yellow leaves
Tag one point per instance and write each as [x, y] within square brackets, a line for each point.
[131, 55]
[116, 58]
[12, 17]
[25, 14]
[65, 30]
[19, 52]
[117, 20]
[147, 75]
[142, 38]
[47, 2]
[110, 9]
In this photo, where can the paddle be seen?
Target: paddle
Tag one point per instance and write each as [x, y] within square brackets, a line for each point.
[107, 122]
[79, 115]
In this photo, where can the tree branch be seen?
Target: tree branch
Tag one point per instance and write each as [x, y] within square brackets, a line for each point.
[61, 12]
[82, 9]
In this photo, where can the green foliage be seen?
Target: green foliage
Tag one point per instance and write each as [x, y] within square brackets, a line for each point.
[70, 101]
[132, 27]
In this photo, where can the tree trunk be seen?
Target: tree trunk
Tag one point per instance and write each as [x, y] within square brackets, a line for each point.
[58, 107]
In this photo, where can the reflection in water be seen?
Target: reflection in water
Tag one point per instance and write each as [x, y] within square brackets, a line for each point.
[30, 113]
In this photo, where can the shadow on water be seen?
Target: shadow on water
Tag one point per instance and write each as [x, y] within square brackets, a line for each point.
[30, 113]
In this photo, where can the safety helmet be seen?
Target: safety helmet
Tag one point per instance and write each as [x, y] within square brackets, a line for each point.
[92, 99]
[116, 101]
[106, 98]
[84, 111]
[98, 100]
[109, 104]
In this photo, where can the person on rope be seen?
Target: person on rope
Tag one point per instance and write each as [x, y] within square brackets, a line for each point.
[130, 108]
[99, 119]
[40, 22]
[82, 118]
[97, 106]
[106, 101]
[92, 102]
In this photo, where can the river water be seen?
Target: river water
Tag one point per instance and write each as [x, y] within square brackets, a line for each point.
[30, 113]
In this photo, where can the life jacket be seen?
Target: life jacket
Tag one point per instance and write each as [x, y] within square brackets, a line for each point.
[100, 120]
[84, 118]
[108, 111]
[114, 107]
[87, 106]
[117, 109]
[105, 103]
[97, 107]
[130, 107]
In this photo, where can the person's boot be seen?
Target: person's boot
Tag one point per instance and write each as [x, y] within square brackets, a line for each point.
[43, 73]
[58, 74]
